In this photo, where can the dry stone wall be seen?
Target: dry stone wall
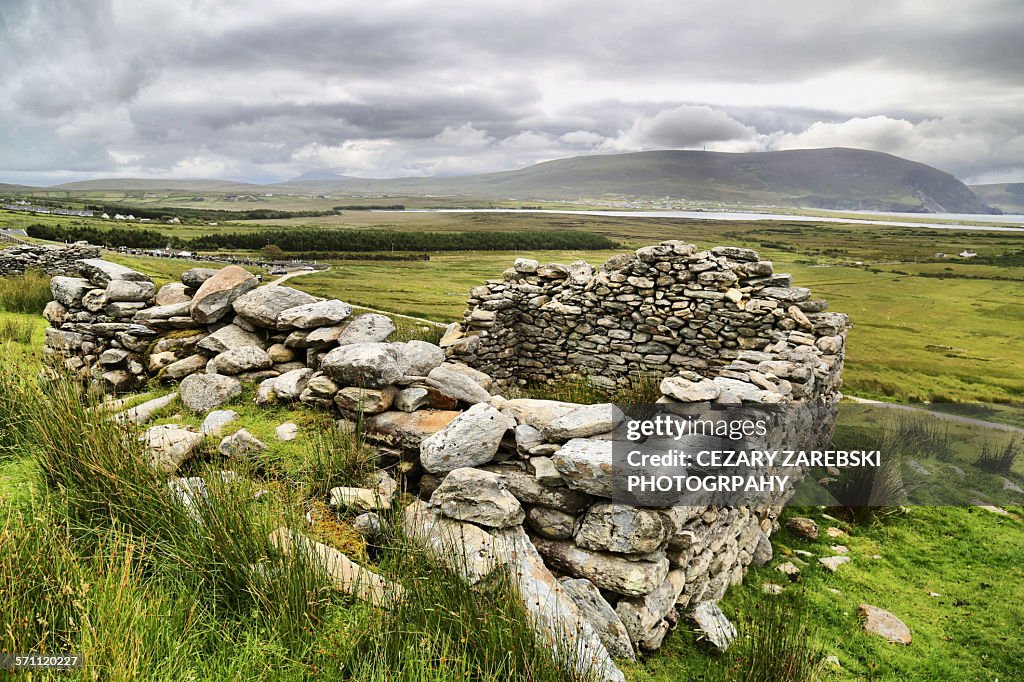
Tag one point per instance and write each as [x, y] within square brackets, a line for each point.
[721, 321]
[500, 481]
[53, 260]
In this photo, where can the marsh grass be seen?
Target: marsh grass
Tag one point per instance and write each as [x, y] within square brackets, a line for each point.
[775, 644]
[26, 294]
[997, 459]
[17, 330]
[635, 389]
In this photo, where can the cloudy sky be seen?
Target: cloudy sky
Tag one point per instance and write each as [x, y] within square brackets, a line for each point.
[264, 91]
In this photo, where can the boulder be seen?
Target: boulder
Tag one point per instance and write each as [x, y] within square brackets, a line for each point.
[172, 293]
[613, 572]
[140, 414]
[194, 278]
[536, 413]
[215, 297]
[312, 315]
[280, 353]
[287, 432]
[369, 365]
[803, 528]
[648, 619]
[69, 291]
[215, 422]
[239, 360]
[364, 400]
[163, 312]
[470, 439]
[478, 496]
[204, 392]
[623, 529]
[583, 422]
[241, 443]
[262, 306]
[359, 499]
[551, 523]
[367, 328]
[411, 399]
[130, 292]
[885, 624]
[230, 337]
[529, 490]
[453, 383]
[832, 563]
[418, 358]
[101, 272]
[713, 626]
[600, 615]
[463, 547]
[169, 445]
[586, 464]
[184, 367]
[688, 391]
[406, 430]
[290, 385]
[369, 525]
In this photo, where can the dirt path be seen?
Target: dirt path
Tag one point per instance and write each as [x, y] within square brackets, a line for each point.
[970, 421]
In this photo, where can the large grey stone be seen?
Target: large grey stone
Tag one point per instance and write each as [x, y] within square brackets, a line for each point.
[648, 619]
[174, 292]
[457, 385]
[367, 328]
[583, 422]
[290, 385]
[478, 496]
[612, 572]
[140, 414]
[204, 392]
[196, 277]
[624, 529]
[163, 312]
[470, 439]
[169, 445]
[551, 523]
[69, 291]
[241, 443]
[213, 300]
[369, 365]
[216, 421]
[184, 367]
[230, 337]
[356, 400]
[239, 360]
[586, 464]
[418, 358]
[100, 272]
[262, 306]
[131, 292]
[600, 614]
[312, 315]
[685, 390]
[713, 625]
[529, 490]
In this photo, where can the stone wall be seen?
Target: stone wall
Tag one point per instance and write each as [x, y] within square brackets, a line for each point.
[53, 260]
[495, 477]
[720, 315]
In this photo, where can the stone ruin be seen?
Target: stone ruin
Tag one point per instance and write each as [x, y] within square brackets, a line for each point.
[500, 482]
[53, 260]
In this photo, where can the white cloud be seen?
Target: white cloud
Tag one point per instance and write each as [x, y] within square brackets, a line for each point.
[684, 127]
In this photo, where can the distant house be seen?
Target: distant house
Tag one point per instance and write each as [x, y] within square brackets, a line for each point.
[967, 253]
[105, 216]
[940, 254]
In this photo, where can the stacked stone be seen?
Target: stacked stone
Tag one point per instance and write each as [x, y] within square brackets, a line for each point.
[91, 323]
[53, 260]
[720, 321]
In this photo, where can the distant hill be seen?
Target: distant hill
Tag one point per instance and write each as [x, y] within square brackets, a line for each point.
[7, 187]
[156, 185]
[1007, 196]
[319, 175]
[838, 178]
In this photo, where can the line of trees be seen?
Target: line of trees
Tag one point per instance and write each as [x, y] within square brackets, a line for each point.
[313, 241]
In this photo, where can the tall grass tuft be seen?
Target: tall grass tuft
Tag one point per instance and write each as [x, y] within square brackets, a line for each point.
[17, 330]
[26, 294]
[635, 389]
[18, 393]
[221, 539]
[999, 460]
[336, 458]
[444, 629]
[775, 645]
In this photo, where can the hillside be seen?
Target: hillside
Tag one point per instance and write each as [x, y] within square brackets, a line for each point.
[1007, 196]
[836, 178]
[158, 184]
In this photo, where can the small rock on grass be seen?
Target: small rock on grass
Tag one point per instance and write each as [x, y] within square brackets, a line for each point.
[885, 624]
[832, 563]
[287, 431]
[803, 527]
